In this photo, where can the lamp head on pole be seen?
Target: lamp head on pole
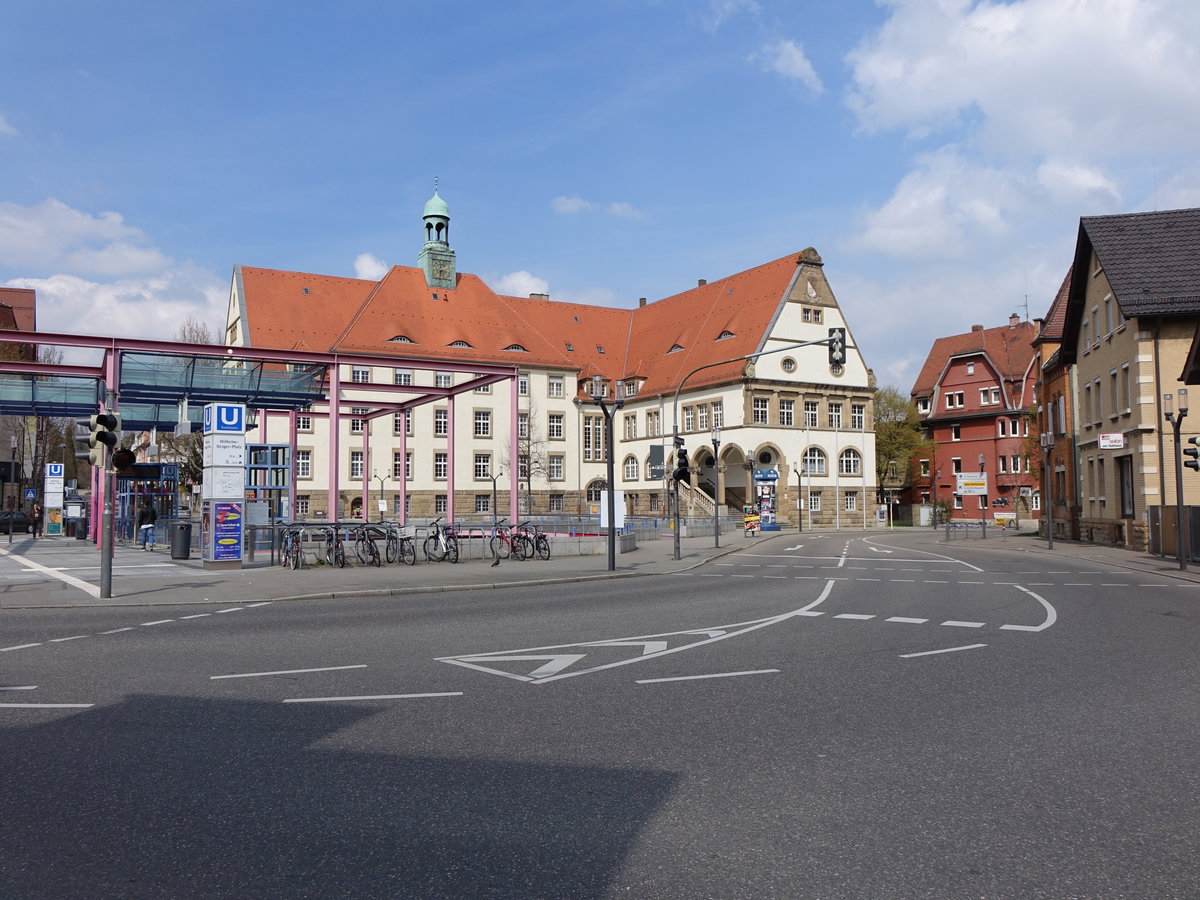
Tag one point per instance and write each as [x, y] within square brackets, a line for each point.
[597, 387]
[981, 462]
[1169, 404]
[1183, 401]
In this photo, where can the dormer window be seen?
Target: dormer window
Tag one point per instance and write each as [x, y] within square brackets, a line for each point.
[631, 387]
[599, 348]
[675, 348]
[401, 339]
[725, 335]
[570, 348]
[516, 348]
[460, 344]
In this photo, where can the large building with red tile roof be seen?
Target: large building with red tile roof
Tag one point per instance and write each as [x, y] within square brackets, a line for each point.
[795, 433]
[975, 393]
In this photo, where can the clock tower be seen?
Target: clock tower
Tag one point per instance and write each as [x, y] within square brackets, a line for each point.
[437, 259]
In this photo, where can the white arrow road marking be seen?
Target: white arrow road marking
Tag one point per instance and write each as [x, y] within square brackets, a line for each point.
[797, 547]
[1051, 615]
[653, 646]
[877, 550]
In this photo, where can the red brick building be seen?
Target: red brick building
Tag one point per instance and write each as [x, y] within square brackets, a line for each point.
[975, 394]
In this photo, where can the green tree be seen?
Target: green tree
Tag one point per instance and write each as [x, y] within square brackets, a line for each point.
[898, 437]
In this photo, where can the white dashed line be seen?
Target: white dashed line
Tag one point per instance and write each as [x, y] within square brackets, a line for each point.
[62, 640]
[19, 647]
[47, 705]
[699, 677]
[118, 630]
[231, 609]
[196, 616]
[906, 620]
[157, 622]
[372, 697]
[858, 617]
[944, 650]
[954, 624]
[287, 672]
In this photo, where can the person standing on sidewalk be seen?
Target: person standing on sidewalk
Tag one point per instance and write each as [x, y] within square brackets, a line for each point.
[35, 520]
[146, 519]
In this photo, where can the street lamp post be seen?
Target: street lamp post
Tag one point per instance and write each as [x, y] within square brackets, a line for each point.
[379, 478]
[799, 501]
[13, 471]
[1047, 441]
[716, 436]
[1176, 420]
[609, 410]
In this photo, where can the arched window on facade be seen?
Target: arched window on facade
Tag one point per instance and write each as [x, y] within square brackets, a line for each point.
[850, 462]
[814, 461]
[594, 490]
[631, 468]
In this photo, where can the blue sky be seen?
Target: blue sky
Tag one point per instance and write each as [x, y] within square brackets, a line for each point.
[937, 153]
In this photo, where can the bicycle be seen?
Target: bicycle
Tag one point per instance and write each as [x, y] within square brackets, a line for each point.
[291, 552]
[442, 542]
[501, 544]
[533, 541]
[335, 547]
[365, 547]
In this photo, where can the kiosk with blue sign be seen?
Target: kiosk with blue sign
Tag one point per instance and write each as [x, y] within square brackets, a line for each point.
[764, 489]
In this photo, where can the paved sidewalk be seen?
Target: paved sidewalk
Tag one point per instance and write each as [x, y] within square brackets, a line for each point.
[54, 573]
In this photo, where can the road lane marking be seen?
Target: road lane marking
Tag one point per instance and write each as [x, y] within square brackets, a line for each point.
[906, 620]
[954, 624]
[699, 677]
[157, 622]
[118, 630]
[231, 609]
[196, 616]
[47, 705]
[19, 647]
[858, 617]
[20, 687]
[372, 697]
[62, 640]
[286, 672]
[944, 650]
[1051, 615]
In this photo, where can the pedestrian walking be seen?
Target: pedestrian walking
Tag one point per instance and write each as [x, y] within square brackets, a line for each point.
[35, 519]
[146, 519]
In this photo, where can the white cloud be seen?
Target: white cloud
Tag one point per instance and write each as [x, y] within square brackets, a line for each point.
[369, 266]
[6, 127]
[151, 307]
[1035, 76]
[787, 59]
[571, 205]
[52, 236]
[520, 284]
[1075, 183]
[717, 12]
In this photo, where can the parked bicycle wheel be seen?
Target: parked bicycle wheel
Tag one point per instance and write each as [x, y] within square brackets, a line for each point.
[452, 548]
[521, 547]
[373, 556]
[392, 548]
[339, 554]
[408, 552]
[433, 552]
[500, 547]
[542, 543]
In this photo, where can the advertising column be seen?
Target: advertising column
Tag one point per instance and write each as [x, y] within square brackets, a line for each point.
[52, 499]
[222, 506]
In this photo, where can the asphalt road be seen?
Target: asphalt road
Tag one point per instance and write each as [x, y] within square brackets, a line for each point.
[842, 716]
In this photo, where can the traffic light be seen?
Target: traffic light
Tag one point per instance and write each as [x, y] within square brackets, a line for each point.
[1194, 452]
[681, 463]
[837, 346]
[103, 431]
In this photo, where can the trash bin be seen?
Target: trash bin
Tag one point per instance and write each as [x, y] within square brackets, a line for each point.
[81, 528]
[181, 540]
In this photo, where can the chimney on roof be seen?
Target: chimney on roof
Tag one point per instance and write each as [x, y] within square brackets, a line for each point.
[702, 282]
[1039, 324]
[641, 302]
[976, 328]
[539, 296]
[1014, 320]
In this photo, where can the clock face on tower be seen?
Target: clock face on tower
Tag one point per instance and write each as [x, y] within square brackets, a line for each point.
[441, 269]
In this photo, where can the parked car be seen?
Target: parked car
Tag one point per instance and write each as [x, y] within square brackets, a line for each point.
[14, 521]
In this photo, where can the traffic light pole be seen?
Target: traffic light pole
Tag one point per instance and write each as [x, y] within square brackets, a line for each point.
[833, 340]
[1181, 524]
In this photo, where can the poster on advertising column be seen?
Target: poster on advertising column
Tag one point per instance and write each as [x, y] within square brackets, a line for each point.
[227, 531]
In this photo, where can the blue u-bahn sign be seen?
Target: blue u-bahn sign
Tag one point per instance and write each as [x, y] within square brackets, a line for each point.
[224, 418]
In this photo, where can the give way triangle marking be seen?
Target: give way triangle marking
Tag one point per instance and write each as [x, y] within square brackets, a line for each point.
[569, 660]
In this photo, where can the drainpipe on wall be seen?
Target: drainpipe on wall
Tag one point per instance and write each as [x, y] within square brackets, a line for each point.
[1158, 418]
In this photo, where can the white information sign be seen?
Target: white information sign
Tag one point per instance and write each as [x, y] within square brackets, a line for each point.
[221, 483]
[618, 509]
[972, 484]
[224, 450]
[1112, 441]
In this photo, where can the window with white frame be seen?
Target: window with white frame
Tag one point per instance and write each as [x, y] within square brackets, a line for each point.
[858, 416]
[923, 406]
[483, 465]
[441, 422]
[631, 387]
[689, 418]
[554, 386]
[358, 425]
[402, 376]
[523, 425]
[556, 503]
[954, 400]
[304, 423]
[360, 374]
[483, 388]
[398, 468]
[653, 418]
[1002, 427]
[702, 417]
[439, 504]
[787, 412]
[631, 468]
[443, 379]
[814, 461]
[956, 465]
[483, 503]
[958, 501]
[398, 422]
[441, 465]
[814, 501]
[759, 413]
[593, 438]
[1002, 462]
[718, 414]
[1036, 503]
[956, 432]
[850, 462]
[554, 426]
[523, 385]
[523, 466]
[555, 467]
[924, 464]
[970, 368]
[303, 505]
[1016, 463]
[851, 500]
[811, 410]
[356, 464]
[304, 464]
[835, 415]
[483, 423]
[629, 422]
